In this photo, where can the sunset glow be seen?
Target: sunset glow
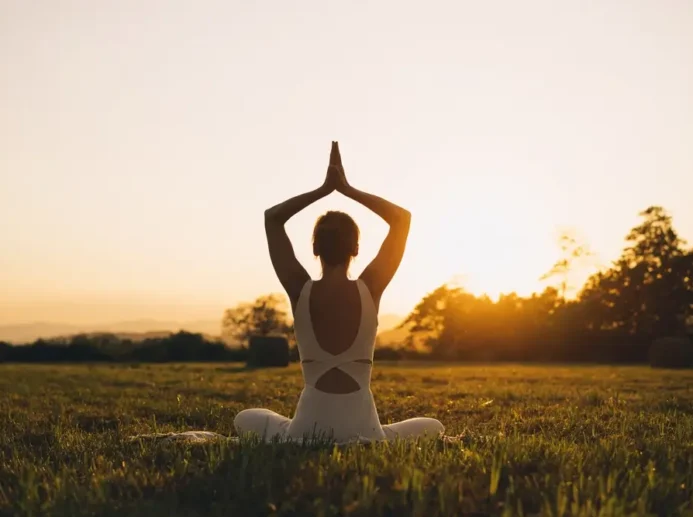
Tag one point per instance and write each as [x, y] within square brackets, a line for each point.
[143, 140]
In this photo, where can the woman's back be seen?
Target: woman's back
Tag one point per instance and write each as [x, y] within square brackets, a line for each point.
[335, 311]
[336, 324]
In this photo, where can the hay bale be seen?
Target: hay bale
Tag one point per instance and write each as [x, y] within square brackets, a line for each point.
[671, 352]
[268, 351]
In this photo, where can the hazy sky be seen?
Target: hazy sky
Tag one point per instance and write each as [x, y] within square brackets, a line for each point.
[141, 141]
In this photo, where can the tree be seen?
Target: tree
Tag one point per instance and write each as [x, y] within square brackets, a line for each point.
[427, 322]
[654, 291]
[647, 292]
[450, 322]
[572, 253]
[266, 316]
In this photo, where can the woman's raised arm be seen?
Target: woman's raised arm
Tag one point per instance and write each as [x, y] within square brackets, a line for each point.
[380, 271]
[289, 270]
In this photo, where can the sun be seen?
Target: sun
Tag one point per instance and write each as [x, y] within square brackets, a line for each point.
[460, 239]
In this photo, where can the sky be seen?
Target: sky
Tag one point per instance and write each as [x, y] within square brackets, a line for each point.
[140, 142]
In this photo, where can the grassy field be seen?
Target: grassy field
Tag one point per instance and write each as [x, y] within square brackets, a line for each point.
[544, 440]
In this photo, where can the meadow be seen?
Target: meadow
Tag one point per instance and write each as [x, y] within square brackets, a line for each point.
[528, 440]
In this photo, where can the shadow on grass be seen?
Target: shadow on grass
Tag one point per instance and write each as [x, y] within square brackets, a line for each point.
[249, 368]
[232, 476]
[224, 477]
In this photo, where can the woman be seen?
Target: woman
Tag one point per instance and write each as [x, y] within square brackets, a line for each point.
[335, 320]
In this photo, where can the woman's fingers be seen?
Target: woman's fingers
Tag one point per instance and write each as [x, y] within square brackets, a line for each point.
[338, 155]
[334, 153]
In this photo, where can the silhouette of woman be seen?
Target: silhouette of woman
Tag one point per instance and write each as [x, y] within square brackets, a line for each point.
[335, 320]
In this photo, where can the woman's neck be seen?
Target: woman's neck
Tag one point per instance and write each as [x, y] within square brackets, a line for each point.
[335, 273]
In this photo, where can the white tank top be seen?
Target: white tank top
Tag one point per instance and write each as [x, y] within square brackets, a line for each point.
[356, 361]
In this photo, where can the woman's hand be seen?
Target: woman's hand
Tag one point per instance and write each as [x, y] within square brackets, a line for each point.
[335, 178]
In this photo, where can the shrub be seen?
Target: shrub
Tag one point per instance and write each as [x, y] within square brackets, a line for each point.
[671, 352]
[268, 351]
[5, 351]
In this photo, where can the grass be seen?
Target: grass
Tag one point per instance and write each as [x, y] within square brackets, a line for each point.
[544, 440]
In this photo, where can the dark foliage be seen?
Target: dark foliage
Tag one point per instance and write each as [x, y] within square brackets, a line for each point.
[182, 346]
[646, 294]
[268, 351]
[672, 352]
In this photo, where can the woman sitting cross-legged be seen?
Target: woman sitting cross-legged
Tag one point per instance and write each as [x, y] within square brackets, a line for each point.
[335, 320]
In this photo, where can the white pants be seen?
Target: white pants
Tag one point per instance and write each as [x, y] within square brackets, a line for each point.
[269, 424]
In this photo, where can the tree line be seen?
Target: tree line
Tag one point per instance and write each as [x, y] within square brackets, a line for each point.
[639, 306]
[179, 347]
[638, 309]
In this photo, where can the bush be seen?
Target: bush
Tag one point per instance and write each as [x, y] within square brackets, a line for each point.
[671, 352]
[180, 347]
[5, 351]
[268, 351]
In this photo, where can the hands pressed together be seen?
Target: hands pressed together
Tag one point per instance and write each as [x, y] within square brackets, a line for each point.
[336, 178]
[378, 273]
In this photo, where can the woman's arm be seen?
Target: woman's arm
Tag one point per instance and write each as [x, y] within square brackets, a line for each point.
[289, 270]
[380, 271]
[390, 212]
[282, 212]
[383, 267]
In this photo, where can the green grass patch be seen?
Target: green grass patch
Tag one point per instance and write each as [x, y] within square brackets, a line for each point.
[545, 440]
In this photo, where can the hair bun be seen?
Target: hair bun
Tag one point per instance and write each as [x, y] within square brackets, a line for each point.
[335, 238]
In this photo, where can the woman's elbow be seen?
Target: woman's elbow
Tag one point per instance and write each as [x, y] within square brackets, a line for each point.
[400, 219]
[273, 218]
[270, 214]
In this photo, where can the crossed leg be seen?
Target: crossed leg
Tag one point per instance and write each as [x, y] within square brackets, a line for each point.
[414, 428]
[268, 424]
[264, 422]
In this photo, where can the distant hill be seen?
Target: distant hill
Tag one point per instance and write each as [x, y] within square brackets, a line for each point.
[393, 336]
[138, 329]
[388, 321]
[144, 328]
[388, 333]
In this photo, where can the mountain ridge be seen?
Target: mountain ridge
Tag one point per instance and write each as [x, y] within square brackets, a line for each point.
[20, 333]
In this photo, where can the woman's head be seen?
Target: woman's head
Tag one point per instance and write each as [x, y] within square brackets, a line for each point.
[335, 239]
